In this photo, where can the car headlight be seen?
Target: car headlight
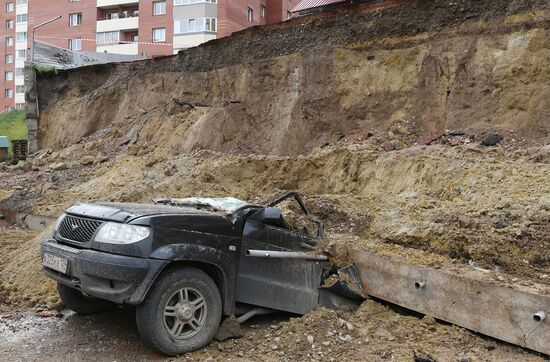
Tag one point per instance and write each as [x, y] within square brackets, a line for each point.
[57, 223]
[117, 233]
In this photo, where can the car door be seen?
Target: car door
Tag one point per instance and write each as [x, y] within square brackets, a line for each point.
[289, 283]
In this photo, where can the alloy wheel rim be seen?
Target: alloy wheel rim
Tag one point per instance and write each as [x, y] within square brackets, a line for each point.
[184, 314]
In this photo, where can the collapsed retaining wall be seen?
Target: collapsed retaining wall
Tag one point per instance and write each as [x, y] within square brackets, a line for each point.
[404, 71]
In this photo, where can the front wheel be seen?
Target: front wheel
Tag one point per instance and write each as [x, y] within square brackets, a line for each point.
[181, 312]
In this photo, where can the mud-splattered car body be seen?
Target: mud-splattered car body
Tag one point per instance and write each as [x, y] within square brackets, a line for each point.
[251, 253]
[198, 234]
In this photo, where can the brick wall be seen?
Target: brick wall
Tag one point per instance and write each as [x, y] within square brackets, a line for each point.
[6, 102]
[40, 12]
[148, 22]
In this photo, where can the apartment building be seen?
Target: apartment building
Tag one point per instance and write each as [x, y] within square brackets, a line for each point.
[148, 27]
[13, 53]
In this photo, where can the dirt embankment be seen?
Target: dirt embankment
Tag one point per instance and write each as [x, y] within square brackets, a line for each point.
[407, 71]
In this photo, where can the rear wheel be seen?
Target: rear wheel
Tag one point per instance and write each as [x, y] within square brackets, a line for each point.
[81, 304]
[181, 313]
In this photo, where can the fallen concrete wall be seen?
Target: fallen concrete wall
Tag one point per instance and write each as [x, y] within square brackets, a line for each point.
[508, 314]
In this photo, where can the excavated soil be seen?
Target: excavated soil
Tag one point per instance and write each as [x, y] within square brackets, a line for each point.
[379, 116]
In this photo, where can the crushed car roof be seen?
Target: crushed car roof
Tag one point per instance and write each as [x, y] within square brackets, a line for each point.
[225, 204]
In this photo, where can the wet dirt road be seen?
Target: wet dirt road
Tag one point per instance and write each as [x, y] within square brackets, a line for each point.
[110, 336]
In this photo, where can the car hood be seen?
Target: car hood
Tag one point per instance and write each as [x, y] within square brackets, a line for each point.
[124, 212]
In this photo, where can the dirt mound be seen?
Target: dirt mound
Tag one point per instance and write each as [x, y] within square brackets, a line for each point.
[374, 332]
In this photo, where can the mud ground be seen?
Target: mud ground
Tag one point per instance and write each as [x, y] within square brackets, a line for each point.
[373, 333]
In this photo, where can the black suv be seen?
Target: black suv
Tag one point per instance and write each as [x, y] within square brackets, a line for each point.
[185, 263]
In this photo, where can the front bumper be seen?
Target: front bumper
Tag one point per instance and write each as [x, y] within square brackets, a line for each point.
[117, 278]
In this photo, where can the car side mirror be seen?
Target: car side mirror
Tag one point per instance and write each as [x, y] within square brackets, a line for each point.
[270, 215]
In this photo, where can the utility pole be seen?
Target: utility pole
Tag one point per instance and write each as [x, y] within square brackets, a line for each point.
[34, 30]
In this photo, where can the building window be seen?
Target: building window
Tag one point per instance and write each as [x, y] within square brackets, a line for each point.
[21, 36]
[108, 37]
[135, 38]
[21, 2]
[8, 76]
[187, 2]
[9, 93]
[288, 14]
[75, 19]
[262, 11]
[250, 14]
[112, 15]
[192, 25]
[19, 89]
[22, 18]
[159, 35]
[9, 7]
[210, 24]
[9, 58]
[19, 72]
[159, 7]
[75, 44]
[74, 1]
[21, 54]
[9, 41]
[195, 25]
[10, 24]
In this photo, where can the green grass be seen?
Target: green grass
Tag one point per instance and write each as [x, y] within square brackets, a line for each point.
[13, 125]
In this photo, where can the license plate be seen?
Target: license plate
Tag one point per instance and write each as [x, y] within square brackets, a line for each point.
[55, 262]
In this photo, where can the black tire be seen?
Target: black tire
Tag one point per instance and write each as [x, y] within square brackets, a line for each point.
[81, 304]
[173, 293]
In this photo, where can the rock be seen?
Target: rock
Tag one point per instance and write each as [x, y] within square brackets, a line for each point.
[133, 149]
[170, 171]
[500, 224]
[326, 343]
[345, 338]
[490, 346]
[422, 357]
[542, 155]
[230, 328]
[46, 313]
[344, 323]
[492, 140]
[429, 320]
[428, 139]
[389, 147]
[310, 339]
[151, 161]
[87, 160]
[59, 166]
[456, 133]
[100, 159]
[143, 151]
[48, 186]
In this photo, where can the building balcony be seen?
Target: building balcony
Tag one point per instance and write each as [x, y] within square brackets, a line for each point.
[120, 24]
[128, 48]
[113, 3]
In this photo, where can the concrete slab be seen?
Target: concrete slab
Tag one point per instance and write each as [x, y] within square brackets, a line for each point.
[503, 313]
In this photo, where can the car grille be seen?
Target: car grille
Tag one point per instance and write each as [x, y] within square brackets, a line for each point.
[77, 229]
